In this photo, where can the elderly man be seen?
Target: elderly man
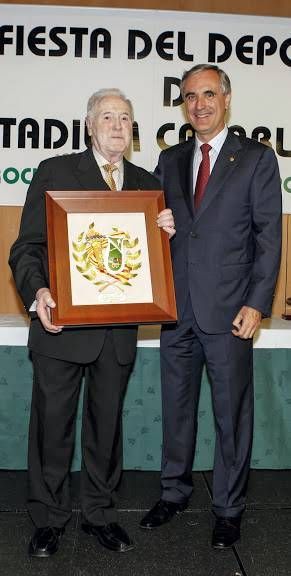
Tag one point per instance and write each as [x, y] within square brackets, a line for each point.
[225, 195]
[61, 357]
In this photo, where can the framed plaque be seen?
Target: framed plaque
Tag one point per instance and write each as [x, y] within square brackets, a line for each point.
[109, 262]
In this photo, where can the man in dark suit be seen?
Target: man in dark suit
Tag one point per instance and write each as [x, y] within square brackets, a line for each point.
[226, 202]
[61, 357]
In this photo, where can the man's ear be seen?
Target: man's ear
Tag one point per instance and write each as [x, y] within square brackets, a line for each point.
[227, 101]
[88, 124]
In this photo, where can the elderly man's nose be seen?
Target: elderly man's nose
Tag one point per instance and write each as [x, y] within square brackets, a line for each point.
[117, 123]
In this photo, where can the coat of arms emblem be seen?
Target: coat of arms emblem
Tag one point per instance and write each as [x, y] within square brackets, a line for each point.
[109, 261]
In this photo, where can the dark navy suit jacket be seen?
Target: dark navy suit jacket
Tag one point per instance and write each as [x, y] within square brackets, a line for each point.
[227, 254]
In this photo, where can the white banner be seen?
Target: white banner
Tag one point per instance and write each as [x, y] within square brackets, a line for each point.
[53, 58]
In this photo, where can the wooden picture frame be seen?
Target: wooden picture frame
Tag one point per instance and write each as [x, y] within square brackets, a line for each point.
[109, 262]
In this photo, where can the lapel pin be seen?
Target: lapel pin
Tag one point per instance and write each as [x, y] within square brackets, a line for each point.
[231, 158]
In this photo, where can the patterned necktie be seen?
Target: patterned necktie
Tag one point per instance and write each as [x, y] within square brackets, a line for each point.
[203, 175]
[109, 169]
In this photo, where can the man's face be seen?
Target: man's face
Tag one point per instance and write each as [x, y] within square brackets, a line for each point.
[205, 103]
[110, 127]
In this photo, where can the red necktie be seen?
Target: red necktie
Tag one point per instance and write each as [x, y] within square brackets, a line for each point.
[203, 175]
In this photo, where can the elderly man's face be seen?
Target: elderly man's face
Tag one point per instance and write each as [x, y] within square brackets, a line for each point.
[110, 127]
[205, 103]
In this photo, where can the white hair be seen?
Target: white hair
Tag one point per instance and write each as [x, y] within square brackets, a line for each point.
[96, 98]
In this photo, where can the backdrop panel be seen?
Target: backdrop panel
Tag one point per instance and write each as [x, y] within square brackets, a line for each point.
[52, 58]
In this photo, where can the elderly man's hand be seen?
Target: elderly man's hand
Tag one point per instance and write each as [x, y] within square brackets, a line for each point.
[44, 303]
[165, 221]
[246, 322]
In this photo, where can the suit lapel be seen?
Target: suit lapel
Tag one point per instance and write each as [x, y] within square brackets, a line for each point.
[224, 166]
[130, 179]
[88, 173]
[185, 164]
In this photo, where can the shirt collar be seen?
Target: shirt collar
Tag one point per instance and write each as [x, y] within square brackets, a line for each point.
[217, 141]
[101, 161]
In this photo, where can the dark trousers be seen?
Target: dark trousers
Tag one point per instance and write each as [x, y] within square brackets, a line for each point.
[184, 351]
[52, 434]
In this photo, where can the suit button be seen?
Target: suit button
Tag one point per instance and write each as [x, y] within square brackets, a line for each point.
[193, 234]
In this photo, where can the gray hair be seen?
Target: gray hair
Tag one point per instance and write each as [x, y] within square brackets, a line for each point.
[96, 98]
[223, 77]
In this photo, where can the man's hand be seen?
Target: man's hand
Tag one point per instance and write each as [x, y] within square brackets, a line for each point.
[246, 322]
[44, 303]
[165, 220]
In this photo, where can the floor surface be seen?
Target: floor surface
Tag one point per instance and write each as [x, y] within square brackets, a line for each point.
[180, 548]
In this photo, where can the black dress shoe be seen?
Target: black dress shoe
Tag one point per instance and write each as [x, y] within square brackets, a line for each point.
[111, 536]
[162, 512]
[226, 532]
[45, 542]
